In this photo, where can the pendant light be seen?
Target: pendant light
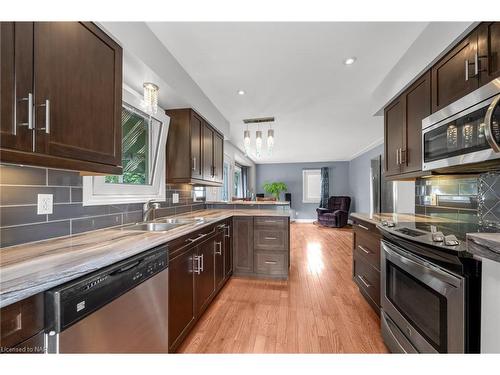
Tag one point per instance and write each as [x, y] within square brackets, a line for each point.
[258, 143]
[270, 140]
[246, 141]
[150, 97]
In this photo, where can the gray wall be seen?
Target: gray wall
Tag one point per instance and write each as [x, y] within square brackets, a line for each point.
[359, 179]
[19, 222]
[291, 174]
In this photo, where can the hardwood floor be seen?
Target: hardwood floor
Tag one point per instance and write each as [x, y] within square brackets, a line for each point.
[318, 310]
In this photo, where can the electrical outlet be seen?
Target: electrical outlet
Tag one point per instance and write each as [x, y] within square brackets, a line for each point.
[45, 204]
[175, 198]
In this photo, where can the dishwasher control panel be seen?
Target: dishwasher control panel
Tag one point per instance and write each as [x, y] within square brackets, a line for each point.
[67, 304]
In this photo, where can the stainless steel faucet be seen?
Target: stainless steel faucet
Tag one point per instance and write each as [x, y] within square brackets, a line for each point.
[147, 208]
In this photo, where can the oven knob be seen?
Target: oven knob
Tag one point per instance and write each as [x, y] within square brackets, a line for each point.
[409, 331]
[391, 224]
[451, 240]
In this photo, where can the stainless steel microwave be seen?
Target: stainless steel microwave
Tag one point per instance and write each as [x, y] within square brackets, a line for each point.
[467, 131]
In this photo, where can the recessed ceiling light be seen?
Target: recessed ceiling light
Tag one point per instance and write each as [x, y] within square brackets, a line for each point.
[350, 61]
[241, 92]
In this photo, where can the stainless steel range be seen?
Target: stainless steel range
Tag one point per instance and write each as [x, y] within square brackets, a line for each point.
[430, 290]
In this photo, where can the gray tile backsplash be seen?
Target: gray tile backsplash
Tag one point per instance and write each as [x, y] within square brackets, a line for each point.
[20, 223]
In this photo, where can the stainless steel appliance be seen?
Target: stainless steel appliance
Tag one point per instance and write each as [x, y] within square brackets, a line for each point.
[120, 309]
[381, 190]
[430, 292]
[467, 131]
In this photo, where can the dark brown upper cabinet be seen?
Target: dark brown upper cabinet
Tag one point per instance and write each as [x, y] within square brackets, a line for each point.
[195, 149]
[489, 51]
[456, 74]
[67, 82]
[403, 129]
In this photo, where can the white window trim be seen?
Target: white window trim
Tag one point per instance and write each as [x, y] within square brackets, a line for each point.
[305, 193]
[97, 192]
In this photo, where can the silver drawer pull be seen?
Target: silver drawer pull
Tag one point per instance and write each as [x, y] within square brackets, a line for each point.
[47, 116]
[270, 262]
[364, 250]
[197, 270]
[219, 246]
[202, 263]
[200, 236]
[270, 238]
[362, 279]
[362, 226]
[270, 221]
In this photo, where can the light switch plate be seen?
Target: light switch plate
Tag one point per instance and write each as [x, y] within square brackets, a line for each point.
[45, 204]
[175, 198]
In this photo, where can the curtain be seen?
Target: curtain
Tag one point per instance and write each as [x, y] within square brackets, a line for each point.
[325, 187]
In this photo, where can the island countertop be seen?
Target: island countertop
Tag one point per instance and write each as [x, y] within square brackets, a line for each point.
[397, 218]
[31, 268]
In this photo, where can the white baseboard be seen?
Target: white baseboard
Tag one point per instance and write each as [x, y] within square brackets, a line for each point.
[305, 220]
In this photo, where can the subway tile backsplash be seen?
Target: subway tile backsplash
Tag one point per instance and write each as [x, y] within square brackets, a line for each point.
[20, 223]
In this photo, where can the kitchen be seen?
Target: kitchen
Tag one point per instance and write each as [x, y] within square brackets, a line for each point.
[168, 199]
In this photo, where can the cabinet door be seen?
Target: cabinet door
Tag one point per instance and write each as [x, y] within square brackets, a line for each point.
[16, 85]
[243, 244]
[456, 74]
[394, 123]
[181, 312]
[205, 274]
[489, 51]
[78, 85]
[208, 152]
[196, 140]
[219, 251]
[418, 106]
[228, 249]
[218, 157]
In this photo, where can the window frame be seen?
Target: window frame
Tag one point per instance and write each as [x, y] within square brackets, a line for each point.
[306, 198]
[97, 192]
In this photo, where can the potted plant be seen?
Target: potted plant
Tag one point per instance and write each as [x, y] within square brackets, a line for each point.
[275, 188]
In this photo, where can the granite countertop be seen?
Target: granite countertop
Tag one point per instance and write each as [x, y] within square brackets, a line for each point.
[485, 245]
[31, 268]
[397, 218]
[252, 203]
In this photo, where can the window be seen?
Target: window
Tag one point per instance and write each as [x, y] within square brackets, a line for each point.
[144, 139]
[238, 182]
[225, 182]
[311, 185]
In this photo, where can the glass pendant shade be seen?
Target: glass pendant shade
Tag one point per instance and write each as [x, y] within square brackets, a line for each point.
[270, 140]
[246, 140]
[258, 142]
[150, 97]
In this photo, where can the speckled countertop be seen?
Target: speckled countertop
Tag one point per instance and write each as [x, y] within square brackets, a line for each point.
[485, 245]
[31, 268]
[397, 218]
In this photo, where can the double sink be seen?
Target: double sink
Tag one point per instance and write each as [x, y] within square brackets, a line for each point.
[162, 225]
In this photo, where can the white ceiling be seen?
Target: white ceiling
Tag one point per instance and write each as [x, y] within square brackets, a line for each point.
[295, 72]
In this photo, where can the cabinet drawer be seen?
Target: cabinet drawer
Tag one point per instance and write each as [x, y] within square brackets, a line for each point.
[271, 222]
[367, 278]
[270, 263]
[21, 320]
[270, 239]
[367, 246]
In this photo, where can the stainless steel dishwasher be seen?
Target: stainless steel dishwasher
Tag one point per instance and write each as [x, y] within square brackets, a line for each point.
[120, 309]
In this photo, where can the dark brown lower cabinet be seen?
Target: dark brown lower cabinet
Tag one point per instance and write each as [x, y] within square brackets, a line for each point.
[204, 274]
[243, 245]
[228, 248]
[219, 250]
[366, 261]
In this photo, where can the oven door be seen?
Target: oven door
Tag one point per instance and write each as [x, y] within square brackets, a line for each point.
[424, 304]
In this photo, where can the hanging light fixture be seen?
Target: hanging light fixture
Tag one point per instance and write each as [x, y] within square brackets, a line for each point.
[258, 143]
[270, 140]
[246, 140]
[151, 97]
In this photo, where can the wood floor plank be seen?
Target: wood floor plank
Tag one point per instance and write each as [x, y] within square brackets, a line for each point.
[317, 310]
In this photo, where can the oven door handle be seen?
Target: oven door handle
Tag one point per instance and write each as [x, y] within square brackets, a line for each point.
[488, 128]
[410, 263]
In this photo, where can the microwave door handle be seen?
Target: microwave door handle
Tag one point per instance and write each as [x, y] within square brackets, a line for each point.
[488, 121]
[410, 262]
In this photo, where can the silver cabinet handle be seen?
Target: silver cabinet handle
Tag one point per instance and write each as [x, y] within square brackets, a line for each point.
[270, 238]
[397, 156]
[197, 270]
[489, 132]
[364, 250]
[362, 226]
[29, 124]
[194, 163]
[270, 262]
[47, 116]
[202, 263]
[270, 221]
[365, 283]
[218, 245]
[466, 70]
[200, 236]
[401, 153]
[476, 64]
